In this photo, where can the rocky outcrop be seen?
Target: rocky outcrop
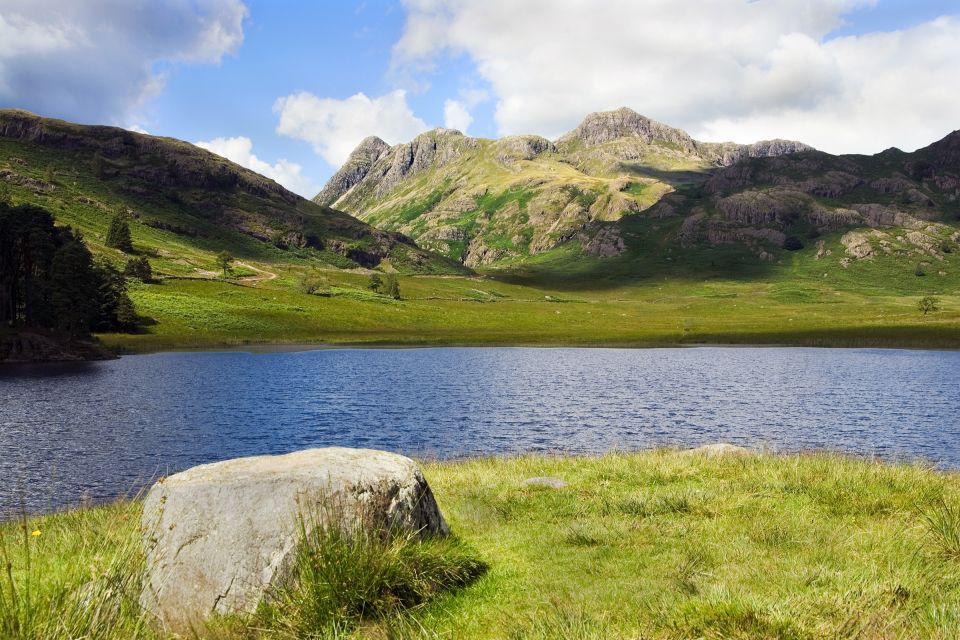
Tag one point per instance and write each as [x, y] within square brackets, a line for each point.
[719, 450]
[760, 208]
[857, 244]
[699, 228]
[354, 170]
[513, 148]
[479, 254]
[39, 186]
[729, 153]
[603, 242]
[432, 149]
[220, 536]
[605, 126]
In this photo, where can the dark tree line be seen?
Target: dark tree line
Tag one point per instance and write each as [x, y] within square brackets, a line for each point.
[49, 280]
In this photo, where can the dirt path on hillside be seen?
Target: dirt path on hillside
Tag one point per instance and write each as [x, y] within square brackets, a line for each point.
[262, 274]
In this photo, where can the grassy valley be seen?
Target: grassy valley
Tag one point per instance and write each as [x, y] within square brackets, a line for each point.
[302, 271]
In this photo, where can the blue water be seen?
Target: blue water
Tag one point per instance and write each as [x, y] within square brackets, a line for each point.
[97, 430]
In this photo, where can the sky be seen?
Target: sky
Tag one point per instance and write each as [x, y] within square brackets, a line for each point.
[288, 88]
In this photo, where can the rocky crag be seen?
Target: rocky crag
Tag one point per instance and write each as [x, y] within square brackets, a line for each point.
[482, 201]
[892, 203]
[496, 202]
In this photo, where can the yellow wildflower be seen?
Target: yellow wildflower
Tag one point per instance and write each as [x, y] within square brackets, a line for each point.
[35, 533]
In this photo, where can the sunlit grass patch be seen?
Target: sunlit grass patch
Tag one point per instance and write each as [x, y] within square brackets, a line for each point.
[73, 575]
[657, 544]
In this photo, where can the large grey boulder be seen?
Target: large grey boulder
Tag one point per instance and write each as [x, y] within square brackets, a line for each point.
[220, 535]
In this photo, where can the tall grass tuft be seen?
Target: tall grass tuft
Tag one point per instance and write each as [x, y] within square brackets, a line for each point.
[42, 598]
[943, 525]
[350, 570]
[562, 619]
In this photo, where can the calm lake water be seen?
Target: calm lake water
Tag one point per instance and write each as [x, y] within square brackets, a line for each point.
[96, 430]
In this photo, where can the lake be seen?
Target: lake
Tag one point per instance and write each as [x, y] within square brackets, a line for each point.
[87, 431]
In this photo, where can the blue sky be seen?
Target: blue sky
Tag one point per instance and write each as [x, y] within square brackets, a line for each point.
[274, 84]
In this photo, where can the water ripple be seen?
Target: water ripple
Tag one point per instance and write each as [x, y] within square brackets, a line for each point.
[98, 430]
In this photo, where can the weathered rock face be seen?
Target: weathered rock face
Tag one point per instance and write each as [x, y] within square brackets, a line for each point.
[354, 170]
[220, 535]
[602, 241]
[513, 148]
[605, 126]
[434, 148]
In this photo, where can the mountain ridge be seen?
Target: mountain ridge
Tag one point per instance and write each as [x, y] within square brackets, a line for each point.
[474, 208]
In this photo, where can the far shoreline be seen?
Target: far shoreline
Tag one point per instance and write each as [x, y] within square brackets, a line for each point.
[267, 347]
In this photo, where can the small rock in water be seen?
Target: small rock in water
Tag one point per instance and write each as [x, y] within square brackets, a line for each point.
[220, 535]
[545, 481]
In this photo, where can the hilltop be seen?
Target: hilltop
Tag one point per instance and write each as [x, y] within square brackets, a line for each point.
[481, 201]
[183, 203]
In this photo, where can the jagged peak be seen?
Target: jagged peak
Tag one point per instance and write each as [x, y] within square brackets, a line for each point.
[358, 164]
[372, 141]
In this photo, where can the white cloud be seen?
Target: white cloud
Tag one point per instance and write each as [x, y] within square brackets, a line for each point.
[97, 61]
[456, 116]
[730, 69]
[240, 150]
[335, 127]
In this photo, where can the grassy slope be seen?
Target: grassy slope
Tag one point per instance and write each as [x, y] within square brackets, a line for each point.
[182, 228]
[721, 295]
[659, 544]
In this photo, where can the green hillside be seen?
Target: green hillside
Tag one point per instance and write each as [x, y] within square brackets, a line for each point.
[183, 204]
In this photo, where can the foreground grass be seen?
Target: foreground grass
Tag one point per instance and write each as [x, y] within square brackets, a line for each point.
[660, 544]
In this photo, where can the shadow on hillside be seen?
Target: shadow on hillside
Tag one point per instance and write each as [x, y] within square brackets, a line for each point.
[675, 178]
[653, 253]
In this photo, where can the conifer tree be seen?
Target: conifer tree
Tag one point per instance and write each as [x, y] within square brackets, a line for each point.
[118, 235]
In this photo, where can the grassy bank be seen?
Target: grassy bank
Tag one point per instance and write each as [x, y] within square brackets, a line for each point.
[659, 544]
[490, 311]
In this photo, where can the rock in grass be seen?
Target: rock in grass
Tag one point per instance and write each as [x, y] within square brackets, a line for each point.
[220, 535]
[720, 449]
[545, 481]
